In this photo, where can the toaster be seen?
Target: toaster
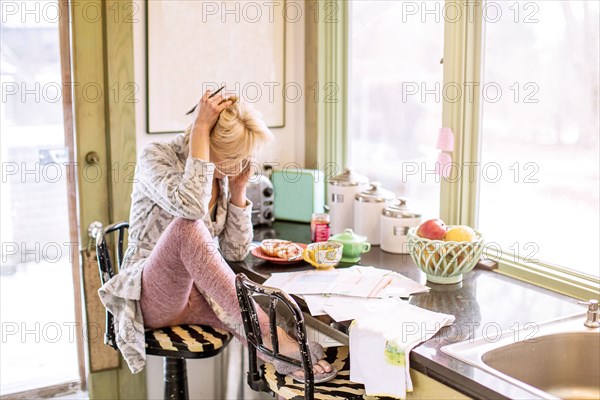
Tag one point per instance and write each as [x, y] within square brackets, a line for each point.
[260, 193]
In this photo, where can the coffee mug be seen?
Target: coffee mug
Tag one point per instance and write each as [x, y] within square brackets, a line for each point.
[323, 254]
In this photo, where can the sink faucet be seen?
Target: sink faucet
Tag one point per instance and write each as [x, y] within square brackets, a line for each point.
[592, 313]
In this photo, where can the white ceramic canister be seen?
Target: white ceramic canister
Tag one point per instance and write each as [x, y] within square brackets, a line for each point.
[368, 206]
[396, 220]
[342, 189]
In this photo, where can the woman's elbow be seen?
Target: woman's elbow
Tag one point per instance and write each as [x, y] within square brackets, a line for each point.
[189, 208]
[235, 252]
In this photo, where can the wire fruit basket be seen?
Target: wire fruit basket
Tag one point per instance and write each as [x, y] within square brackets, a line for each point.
[444, 262]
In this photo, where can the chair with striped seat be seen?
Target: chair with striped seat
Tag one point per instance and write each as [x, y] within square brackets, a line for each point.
[266, 378]
[174, 343]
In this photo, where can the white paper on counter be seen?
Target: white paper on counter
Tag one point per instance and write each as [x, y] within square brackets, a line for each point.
[347, 308]
[401, 286]
[354, 281]
[315, 303]
[343, 308]
[358, 281]
[306, 282]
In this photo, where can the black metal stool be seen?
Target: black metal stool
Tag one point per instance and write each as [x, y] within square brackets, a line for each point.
[266, 378]
[175, 343]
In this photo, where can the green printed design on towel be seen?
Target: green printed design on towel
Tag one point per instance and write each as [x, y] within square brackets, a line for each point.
[394, 355]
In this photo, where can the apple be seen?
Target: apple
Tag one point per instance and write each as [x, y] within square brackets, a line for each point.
[433, 229]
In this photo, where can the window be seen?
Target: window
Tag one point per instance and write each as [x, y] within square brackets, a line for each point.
[532, 128]
[394, 107]
[539, 192]
[37, 311]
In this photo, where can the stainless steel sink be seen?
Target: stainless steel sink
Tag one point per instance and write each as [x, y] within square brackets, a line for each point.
[558, 359]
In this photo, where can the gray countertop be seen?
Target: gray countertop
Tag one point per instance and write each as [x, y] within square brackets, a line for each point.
[484, 304]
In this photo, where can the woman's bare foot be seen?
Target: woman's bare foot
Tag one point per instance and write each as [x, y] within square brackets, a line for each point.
[289, 347]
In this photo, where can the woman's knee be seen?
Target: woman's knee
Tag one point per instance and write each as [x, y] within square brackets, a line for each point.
[194, 237]
[189, 227]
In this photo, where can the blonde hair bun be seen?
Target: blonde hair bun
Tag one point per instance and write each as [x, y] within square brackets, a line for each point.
[239, 132]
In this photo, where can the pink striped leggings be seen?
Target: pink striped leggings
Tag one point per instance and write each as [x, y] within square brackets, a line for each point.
[186, 281]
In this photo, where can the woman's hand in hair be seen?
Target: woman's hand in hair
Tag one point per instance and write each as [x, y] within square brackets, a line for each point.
[209, 109]
[207, 114]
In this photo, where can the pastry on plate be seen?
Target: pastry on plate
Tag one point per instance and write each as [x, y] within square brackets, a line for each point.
[283, 249]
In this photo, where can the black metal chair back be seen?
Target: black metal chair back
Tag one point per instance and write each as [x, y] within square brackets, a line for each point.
[107, 271]
[246, 290]
[188, 341]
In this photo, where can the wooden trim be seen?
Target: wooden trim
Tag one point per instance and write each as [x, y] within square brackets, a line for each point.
[103, 55]
[463, 64]
[552, 279]
[463, 52]
[311, 78]
[471, 146]
[65, 61]
[121, 145]
[45, 392]
[326, 76]
[120, 116]
[90, 128]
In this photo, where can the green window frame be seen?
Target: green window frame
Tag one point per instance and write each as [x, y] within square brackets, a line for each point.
[463, 62]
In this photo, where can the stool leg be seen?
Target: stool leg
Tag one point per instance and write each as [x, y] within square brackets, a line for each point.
[176, 387]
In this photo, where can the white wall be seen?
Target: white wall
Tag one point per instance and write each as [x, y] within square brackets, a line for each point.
[287, 147]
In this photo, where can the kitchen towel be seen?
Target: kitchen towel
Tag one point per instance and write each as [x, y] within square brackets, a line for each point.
[380, 345]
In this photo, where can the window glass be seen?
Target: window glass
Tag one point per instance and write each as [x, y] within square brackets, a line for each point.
[395, 109]
[539, 195]
[37, 310]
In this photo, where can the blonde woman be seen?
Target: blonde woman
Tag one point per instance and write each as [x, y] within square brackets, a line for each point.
[189, 211]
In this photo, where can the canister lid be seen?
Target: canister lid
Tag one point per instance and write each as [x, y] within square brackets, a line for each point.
[398, 209]
[349, 178]
[374, 194]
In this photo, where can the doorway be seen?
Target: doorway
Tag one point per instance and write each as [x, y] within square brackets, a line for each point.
[39, 303]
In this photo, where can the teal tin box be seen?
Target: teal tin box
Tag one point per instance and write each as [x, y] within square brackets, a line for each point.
[298, 193]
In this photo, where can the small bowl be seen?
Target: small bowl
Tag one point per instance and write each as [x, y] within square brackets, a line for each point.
[444, 262]
[354, 245]
[323, 255]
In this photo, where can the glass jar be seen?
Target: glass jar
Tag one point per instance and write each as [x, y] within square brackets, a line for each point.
[319, 227]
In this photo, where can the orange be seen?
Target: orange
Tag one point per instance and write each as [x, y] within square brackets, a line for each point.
[460, 233]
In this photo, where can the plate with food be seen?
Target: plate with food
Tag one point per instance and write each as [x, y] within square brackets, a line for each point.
[279, 251]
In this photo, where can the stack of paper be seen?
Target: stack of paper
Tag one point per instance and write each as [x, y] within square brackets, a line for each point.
[346, 294]
[345, 308]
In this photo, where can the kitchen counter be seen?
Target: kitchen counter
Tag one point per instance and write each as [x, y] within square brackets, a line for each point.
[484, 304]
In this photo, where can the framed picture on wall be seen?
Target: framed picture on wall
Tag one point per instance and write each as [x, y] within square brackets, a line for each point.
[193, 46]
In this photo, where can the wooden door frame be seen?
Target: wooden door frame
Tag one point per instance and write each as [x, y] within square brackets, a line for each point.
[65, 63]
[104, 114]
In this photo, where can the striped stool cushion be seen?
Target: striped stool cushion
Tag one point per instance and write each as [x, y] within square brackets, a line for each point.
[339, 388]
[186, 341]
